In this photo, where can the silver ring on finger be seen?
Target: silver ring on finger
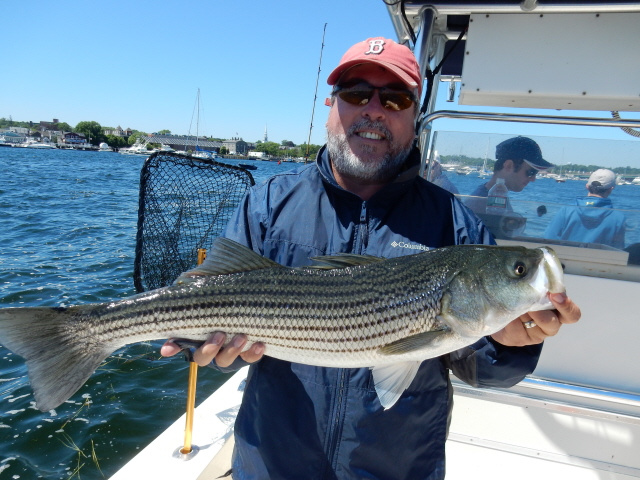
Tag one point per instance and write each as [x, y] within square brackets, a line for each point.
[529, 324]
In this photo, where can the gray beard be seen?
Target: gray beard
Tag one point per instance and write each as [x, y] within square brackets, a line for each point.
[350, 165]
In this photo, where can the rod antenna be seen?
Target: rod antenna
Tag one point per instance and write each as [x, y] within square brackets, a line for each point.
[315, 95]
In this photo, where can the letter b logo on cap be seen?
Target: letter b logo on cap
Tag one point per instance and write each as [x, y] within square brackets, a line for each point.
[375, 46]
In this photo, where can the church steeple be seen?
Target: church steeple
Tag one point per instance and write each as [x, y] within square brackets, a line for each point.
[266, 139]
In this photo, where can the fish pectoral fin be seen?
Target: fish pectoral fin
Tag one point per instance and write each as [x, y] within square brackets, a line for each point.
[392, 380]
[412, 343]
[227, 257]
[343, 260]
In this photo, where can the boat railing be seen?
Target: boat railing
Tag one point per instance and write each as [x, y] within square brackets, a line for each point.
[588, 402]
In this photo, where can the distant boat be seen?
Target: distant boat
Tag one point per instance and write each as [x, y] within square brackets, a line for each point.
[450, 167]
[484, 173]
[248, 166]
[104, 147]
[41, 145]
[199, 152]
[636, 181]
[559, 177]
[466, 170]
[138, 148]
[620, 180]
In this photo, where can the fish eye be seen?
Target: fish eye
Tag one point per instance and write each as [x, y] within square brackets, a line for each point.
[520, 269]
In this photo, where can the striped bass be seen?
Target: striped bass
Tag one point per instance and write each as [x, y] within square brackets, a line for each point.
[345, 311]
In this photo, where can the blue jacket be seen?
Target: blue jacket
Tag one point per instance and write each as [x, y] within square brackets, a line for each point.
[302, 422]
[584, 223]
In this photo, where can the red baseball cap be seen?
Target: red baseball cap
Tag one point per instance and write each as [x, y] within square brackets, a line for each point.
[397, 58]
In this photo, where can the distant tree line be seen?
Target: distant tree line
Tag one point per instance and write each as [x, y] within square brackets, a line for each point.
[8, 122]
[292, 150]
[94, 132]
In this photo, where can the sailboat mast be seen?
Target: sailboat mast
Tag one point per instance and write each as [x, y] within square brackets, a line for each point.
[196, 111]
[197, 118]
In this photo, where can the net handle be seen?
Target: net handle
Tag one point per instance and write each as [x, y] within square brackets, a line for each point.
[191, 389]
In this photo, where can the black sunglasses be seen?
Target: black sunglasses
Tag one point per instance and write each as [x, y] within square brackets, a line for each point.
[361, 93]
[532, 172]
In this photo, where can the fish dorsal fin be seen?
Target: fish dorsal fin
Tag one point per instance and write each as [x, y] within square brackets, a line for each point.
[392, 380]
[343, 260]
[412, 343]
[226, 257]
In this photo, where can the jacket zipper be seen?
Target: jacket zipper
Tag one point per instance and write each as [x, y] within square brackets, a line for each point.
[336, 423]
[362, 237]
[360, 244]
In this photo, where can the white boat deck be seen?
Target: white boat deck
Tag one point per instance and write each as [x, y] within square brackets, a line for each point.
[506, 432]
[213, 426]
[493, 431]
[468, 459]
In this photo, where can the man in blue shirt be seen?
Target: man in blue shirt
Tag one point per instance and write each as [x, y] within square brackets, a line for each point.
[518, 161]
[592, 219]
[363, 195]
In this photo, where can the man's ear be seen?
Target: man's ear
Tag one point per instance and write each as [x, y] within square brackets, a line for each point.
[509, 165]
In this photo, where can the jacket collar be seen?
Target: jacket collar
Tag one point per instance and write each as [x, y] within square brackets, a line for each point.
[592, 201]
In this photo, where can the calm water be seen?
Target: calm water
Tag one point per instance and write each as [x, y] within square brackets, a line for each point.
[67, 235]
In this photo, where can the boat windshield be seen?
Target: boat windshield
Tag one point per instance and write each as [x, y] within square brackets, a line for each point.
[593, 235]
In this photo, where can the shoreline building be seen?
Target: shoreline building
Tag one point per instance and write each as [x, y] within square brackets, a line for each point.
[236, 146]
[185, 142]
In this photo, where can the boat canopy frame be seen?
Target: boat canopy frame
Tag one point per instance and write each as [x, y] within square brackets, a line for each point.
[438, 31]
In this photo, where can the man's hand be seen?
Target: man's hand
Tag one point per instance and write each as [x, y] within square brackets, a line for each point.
[215, 347]
[542, 324]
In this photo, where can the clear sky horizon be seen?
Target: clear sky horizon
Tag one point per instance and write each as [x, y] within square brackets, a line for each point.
[140, 64]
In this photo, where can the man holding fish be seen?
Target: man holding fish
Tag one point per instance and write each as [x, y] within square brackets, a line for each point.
[363, 196]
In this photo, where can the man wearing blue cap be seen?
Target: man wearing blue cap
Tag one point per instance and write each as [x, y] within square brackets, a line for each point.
[518, 161]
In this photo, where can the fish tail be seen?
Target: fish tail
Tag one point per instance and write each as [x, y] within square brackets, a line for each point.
[58, 358]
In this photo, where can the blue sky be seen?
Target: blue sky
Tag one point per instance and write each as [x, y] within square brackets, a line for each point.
[139, 64]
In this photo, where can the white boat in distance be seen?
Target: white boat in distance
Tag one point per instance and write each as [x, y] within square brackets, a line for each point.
[138, 148]
[40, 145]
[578, 415]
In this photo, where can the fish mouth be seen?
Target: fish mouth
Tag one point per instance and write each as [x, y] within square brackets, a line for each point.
[554, 271]
[548, 279]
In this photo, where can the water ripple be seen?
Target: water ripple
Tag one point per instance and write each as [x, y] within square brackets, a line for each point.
[68, 222]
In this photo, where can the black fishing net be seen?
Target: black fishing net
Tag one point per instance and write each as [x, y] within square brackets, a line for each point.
[185, 202]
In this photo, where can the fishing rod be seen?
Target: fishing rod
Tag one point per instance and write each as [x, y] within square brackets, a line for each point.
[315, 95]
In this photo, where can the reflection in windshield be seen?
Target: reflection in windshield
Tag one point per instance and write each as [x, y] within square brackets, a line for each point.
[555, 205]
[593, 218]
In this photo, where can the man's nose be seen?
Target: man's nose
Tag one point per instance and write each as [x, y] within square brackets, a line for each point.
[374, 109]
